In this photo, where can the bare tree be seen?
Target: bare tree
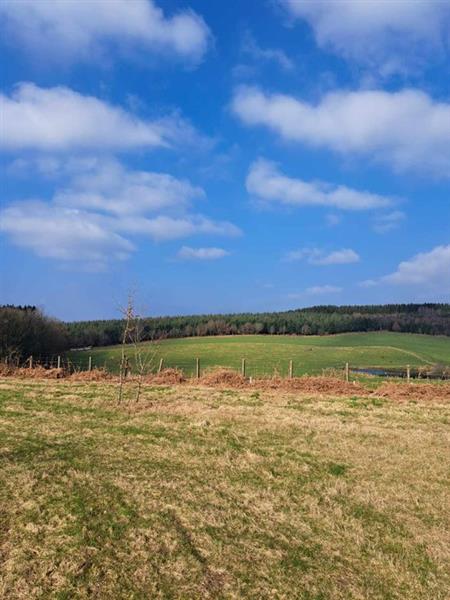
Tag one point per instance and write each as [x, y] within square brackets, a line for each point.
[144, 355]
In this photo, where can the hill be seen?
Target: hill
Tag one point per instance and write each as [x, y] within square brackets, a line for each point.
[431, 319]
[266, 353]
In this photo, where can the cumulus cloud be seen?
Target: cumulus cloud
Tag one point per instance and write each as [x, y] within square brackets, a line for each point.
[386, 222]
[73, 30]
[107, 185]
[266, 182]
[188, 253]
[316, 256]
[378, 34]
[405, 129]
[429, 271]
[63, 233]
[104, 206]
[164, 228]
[60, 119]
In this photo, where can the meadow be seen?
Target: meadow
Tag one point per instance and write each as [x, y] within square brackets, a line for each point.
[265, 353]
[197, 492]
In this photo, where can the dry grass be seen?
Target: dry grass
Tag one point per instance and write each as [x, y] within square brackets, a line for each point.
[200, 492]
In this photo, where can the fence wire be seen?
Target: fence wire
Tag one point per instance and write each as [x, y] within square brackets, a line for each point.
[249, 368]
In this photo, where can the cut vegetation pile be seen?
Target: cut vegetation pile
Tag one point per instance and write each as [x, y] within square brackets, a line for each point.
[93, 375]
[223, 377]
[414, 391]
[34, 373]
[167, 376]
[227, 378]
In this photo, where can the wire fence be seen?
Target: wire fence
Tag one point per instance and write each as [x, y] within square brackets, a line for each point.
[254, 368]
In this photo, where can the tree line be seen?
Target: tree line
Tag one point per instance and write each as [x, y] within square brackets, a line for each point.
[25, 330]
[432, 319]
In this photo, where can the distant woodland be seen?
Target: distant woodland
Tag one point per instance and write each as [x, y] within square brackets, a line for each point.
[25, 330]
[433, 319]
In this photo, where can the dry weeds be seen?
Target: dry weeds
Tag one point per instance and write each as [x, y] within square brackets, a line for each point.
[227, 378]
[203, 492]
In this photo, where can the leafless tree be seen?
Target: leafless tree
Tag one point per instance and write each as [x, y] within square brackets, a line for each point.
[132, 338]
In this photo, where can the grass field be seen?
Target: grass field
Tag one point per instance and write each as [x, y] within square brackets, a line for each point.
[204, 493]
[310, 354]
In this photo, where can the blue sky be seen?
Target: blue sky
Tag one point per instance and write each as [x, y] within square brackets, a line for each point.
[218, 157]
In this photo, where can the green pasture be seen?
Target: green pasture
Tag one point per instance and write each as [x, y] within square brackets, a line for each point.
[265, 354]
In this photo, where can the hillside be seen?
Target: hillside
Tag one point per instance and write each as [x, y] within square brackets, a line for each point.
[431, 319]
[266, 353]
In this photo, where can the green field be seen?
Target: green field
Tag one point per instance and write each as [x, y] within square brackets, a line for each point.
[199, 493]
[310, 354]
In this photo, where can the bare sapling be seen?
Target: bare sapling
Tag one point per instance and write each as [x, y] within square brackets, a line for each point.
[144, 355]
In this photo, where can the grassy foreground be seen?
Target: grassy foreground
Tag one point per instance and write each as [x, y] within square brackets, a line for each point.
[206, 493]
[311, 354]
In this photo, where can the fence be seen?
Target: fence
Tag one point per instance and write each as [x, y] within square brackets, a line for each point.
[197, 366]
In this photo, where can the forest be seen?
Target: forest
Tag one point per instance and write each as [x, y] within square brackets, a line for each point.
[432, 319]
[26, 330]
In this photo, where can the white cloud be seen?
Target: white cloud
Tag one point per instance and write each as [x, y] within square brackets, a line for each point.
[392, 36]
[70, 234]
[430, 269]
[316, 256]
[316, 290]
[253, 49]
[60, 119]
[72, 30]
[265, 181]
[387, 222]
[188, 253]
[103, 206]
[63, 233]
[406, 129]
[107, 185]
[163, 228]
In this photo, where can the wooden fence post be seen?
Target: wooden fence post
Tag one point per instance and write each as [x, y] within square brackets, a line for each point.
[90, 364]
[30, 362]
[243, 367]
[58, 362]
[347, 372]
[408, 373]
[291, 369]
[197, 368]
[160, 366]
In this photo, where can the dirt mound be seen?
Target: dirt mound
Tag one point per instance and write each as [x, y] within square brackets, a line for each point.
[167, 376]
[222, 377]
[313, 385]
[93, 375]
[414, 391]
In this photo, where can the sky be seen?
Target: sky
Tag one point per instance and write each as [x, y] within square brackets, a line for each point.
[223, 156]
